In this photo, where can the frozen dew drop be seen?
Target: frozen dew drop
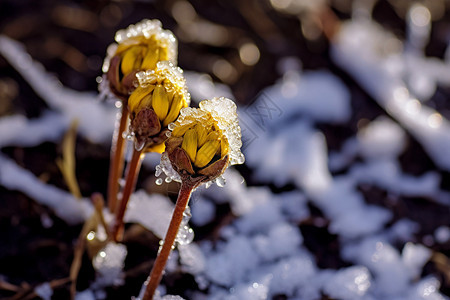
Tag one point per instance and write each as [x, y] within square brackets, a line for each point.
[139, 145]
[122, 182]
[168, 180]
[159, 181]
[186, 216]
[118, 104]
[220, 181]
[185, 235]
[128, 135]
[171, 126]
[90, 236]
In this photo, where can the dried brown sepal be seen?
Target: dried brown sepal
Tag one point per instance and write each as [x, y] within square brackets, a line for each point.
[215, 169]
[119, 84]
[172, 143]
[181, 162]
[144, 125]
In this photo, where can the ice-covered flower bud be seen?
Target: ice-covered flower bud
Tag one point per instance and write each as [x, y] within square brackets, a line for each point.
[155, 103]
[139, 47]
[204, 142]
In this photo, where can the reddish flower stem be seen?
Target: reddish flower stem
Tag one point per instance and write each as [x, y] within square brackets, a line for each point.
[161, 259]
[117, 162]
[130, 183]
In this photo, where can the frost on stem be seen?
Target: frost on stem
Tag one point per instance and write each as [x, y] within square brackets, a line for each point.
[157, 102]
[139, 47]
[203, 143]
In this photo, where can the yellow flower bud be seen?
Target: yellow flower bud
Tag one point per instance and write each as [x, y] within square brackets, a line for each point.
[206, 153]
[131, 60]
[138, 48]
[137, 96]
[203, 142]
[175, 107]
[160, 102]
[151, 58]
[202, 134]
[157, 102]
[190, 143]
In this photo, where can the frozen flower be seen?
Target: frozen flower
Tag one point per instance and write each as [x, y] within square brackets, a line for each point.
[204, 142]
[155, 103]
[139, 47]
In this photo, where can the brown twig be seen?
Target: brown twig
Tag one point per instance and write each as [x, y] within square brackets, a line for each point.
[28, 292]
[80, 246]
[8, 286]
[130, 183]
[172, 231]
[99, 204]
[116, 163]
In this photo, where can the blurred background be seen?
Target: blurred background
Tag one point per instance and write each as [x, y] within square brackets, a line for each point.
[238, 43]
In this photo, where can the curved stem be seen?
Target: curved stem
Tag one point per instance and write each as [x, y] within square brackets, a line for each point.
[130, 183]
[161, 260]
[117, 162]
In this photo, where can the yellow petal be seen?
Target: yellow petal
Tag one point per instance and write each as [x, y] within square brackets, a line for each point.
[145, 102]
[223, 147]
[202, 134]
[150, 60]
[181, 129]
[126, 44]
[213, 136]
[136, 97]
[163, 53]
[129, 59]
[160, 102]
[157, 148]
[175, 106]
[190, 143]
[206, 153]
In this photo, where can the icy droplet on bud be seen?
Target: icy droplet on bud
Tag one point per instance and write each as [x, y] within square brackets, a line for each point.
[139, 47]
[157, 101]
[220, 181]
[204, 142]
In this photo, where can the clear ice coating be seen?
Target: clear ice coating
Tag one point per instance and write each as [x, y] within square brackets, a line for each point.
[166, 166]
[168, 73]
[223, 111]
[185, 233]
[146, 28]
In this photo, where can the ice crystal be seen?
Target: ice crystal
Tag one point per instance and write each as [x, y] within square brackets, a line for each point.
[223, 112]
[145, 28]
[166, 72]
